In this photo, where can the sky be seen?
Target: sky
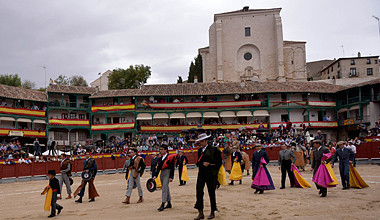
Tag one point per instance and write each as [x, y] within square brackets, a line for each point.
[88, 37]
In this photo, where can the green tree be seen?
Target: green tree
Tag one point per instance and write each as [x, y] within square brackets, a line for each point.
[179, 80]
[10, 80]
[62, 80]
[27, 84]
[132, 78]
[196, 69]
[78, 81]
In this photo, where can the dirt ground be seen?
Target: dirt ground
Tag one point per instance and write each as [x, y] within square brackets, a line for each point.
[22, 200]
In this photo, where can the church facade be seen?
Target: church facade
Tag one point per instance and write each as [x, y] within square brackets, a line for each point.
[248, 45]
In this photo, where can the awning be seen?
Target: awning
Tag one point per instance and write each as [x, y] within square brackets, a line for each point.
[227, 114]
[194, 115]
[24, 120]
[261, 113]
[355, 107]
[342, 110]
[39, 121]
[177, 115]
[160, 116]
[7, 119]
[144, 116]
[244, 114]
[210, 115]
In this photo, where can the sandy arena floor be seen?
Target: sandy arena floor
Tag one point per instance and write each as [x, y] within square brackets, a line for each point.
[22, 200]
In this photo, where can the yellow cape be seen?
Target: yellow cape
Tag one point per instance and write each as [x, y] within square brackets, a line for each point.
[236, 173]
[303, 183]
[158, 180]
[49, 196]
[332, 174]
[222, 176]
[356, 180]
[185, 175]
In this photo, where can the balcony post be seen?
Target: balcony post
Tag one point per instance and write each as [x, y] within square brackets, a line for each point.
[360, 111]
[308, 116]
[360, 94]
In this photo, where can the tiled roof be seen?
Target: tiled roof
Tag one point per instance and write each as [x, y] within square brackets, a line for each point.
[371, 82]
[71, 89]
[20, 93]
[221, 88]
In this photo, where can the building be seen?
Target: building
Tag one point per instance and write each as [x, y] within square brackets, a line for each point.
[352, 67]
[314, 68]
[102, 82]
[248, 45]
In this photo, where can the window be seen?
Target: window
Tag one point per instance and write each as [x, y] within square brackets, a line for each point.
[304, 97]
[59, 135]
[352, 62]
[247, 56]
[352, 72]
[306, 118]
[368, 61]
[247, 31]
[332, 69]
[65, 116]
[339, 75]
[82, 136]
[369, 71]
[108, 120]
[284, 97]
[73, 115]
[338, 64]
[284, 117]
[82, 116]
[375, 61]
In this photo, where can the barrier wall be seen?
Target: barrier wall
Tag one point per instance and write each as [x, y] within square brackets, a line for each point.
[365, 150]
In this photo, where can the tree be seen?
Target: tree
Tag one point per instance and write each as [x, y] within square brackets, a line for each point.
[27, 84]
[62, 80]
[78, 81]
[196, 69]
[179, 80]
[10, 80]
[132, 78]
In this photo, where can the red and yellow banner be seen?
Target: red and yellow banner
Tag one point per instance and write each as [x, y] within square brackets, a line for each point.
[119, 126]
[177, 128]
[221, 104]
[112, 107]
[322, 103]
[323, 124]
[69, 122]
[21, 111]
[25, 133]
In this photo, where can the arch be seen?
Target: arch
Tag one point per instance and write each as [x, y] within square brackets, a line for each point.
[247, 68]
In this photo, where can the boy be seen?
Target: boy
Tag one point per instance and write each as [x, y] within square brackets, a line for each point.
[56, 192]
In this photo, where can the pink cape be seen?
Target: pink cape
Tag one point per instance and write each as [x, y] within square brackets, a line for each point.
[261, 178]
[322, 177]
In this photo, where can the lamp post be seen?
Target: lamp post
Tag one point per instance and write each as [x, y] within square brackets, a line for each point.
[378, 21]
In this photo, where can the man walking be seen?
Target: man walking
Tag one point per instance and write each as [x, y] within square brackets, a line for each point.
[136, 168]
[209, 162]
[181, 160]
[256, 158]
[153, 164]
[66, 168]
[89, 167]
[285, 164]
[318, 152]
[166, 166]
[345, 156]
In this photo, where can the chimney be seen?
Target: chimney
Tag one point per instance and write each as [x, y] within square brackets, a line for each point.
[359, 54]
[245, 8]
[195, 79]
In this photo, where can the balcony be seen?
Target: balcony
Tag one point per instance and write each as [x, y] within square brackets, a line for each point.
[178, 128]
[313, 124]
[22, 111]
[187, 105]
[116, 126]
[354, 121]
[69, 122]
[108, 108]
[68, 105]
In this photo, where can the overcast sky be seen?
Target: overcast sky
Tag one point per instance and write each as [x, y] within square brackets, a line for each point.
[88, 37]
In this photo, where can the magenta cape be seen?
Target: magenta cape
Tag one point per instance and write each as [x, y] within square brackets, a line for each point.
[263, 180]
[322, 177]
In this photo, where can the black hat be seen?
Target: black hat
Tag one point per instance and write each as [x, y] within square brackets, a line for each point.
[164, 146]
[86, 176]
[52, 172]
[151, 185]
[71, 181]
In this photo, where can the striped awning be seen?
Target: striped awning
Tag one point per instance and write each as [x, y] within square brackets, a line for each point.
[355, 107]
[244, 114]
[177, 115]
[7, 119]
[261, 113]
[39, 121]
[144, 116]
[24, 120]
[342, 110]
[227, 114]
[160, 116]
[194, 115]
[210, 115]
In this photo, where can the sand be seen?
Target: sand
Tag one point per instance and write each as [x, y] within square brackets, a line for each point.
[23, 200]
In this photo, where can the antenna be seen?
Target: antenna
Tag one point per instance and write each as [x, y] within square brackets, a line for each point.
[378, 21]
[44, 67]
[342, 49]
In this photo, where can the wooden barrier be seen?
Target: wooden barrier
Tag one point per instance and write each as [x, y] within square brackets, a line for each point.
[367, 150]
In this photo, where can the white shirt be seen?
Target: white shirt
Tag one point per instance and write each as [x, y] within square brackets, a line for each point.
[164, 157]
[204, 148]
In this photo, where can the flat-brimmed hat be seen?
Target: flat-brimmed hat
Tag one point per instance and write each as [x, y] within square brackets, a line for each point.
[52, 172]
[317, 141]
[319, 131]
[202, 136]
[151, 185]
[340, 143]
